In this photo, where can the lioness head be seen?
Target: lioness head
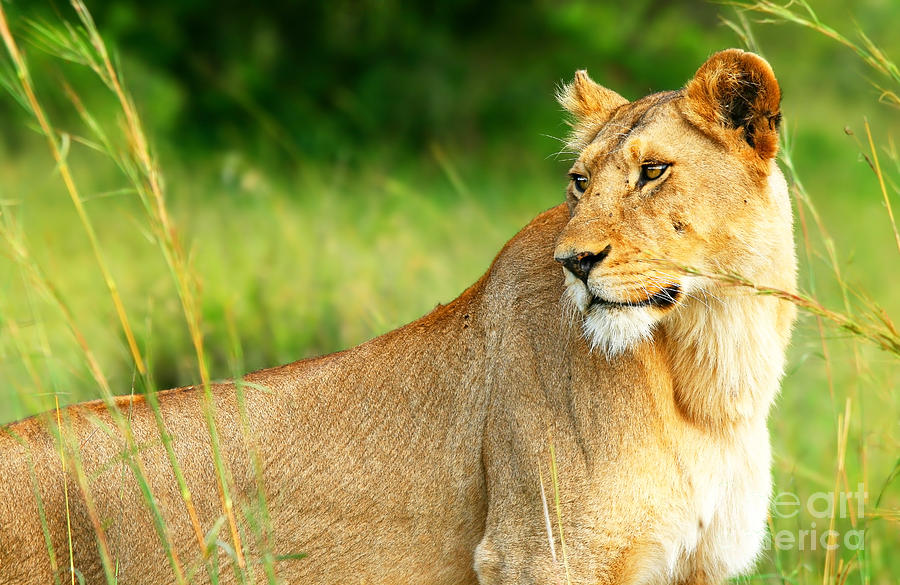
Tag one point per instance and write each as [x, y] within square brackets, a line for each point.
[676, 179]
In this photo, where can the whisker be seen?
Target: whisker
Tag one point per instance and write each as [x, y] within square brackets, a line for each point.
[663, 283]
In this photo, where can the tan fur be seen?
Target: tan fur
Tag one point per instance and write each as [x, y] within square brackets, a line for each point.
[422, 455]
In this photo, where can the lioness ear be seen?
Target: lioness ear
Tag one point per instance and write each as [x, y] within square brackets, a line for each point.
[591, 105]
[584, 98]
[737, 90]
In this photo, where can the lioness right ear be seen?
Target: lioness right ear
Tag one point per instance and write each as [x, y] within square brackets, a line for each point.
[737, 91]
[591, 105]
[584, 98]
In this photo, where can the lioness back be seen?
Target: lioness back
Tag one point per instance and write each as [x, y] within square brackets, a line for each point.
[376, 448]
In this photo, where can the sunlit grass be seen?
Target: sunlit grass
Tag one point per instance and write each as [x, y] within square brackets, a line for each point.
[854, 463]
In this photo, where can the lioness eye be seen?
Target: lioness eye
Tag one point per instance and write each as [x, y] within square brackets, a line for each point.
[580, 182]
[650, 172]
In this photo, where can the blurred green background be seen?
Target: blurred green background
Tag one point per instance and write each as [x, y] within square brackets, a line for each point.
[336, 169]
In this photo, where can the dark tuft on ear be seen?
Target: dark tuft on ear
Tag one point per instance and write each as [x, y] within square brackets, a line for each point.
[591, 105]
[737, 90]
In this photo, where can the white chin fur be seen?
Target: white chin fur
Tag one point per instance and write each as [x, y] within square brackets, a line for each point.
[611, 330]
[616, 329]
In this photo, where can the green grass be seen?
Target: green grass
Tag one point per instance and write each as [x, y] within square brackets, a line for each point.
[281, 266]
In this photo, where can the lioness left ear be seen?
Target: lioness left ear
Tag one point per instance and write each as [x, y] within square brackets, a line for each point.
[737, 90]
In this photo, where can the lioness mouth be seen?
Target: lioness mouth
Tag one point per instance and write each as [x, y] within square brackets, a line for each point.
[662, 299]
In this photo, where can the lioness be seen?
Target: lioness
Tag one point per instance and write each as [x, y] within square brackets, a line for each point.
[424, 456]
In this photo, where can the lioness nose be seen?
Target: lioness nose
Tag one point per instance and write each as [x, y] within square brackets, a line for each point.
[581, 263]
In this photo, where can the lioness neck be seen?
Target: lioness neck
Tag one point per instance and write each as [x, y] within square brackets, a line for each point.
[727, 353]
[726, 347]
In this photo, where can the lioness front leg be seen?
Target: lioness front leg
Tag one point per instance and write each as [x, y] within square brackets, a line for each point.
[521, 548]
[499, 560]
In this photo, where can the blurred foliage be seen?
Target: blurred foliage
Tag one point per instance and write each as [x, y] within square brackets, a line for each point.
[326, 79]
